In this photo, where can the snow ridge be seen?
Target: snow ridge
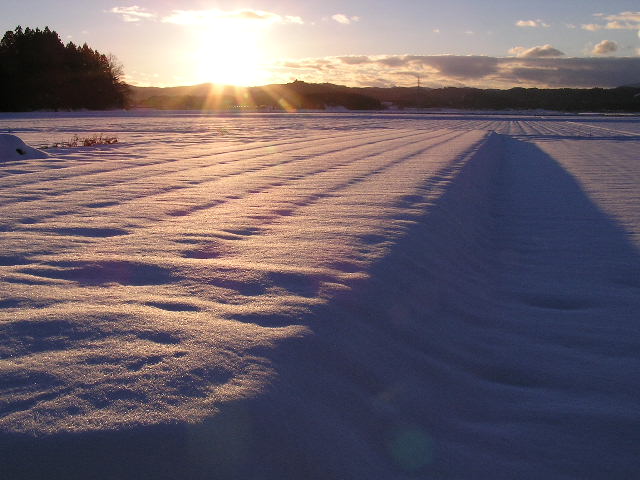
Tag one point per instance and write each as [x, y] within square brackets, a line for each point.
[13, 148]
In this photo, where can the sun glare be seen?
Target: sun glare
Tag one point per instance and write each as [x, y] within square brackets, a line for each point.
[231, 52]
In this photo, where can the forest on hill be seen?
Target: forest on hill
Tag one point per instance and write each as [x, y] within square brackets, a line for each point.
[300, 95]
[39, 72]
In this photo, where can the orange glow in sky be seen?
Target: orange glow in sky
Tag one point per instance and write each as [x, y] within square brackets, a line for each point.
[231, 52]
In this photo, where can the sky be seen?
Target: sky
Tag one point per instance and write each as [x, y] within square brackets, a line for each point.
[486, 44]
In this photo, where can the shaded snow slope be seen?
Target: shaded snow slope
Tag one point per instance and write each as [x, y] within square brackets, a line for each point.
[13, 148]
[349, 297]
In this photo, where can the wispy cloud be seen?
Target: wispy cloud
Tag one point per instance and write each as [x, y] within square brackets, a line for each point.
[205, 17]
[532, 24]
[293, 19]
[605, 47]
[618, 21]
[344, 19]
[543, 51]
[629, 20]
[134, 13]
[474, 71]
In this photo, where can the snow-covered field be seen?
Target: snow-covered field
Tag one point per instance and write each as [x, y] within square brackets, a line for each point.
[321, 296]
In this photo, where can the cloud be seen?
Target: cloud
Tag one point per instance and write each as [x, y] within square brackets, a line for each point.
[294, 19]
[133, 13]
[605, 47]
[448, 65]
[247, 14]
[396, 61]
[344, 19]
[472, 71]
[206, 17]
[574, 72]
[354, 59]
[618, 21]
[544, 51]
[627, 20]
[532, 24]
[458, 67]
[617, 25]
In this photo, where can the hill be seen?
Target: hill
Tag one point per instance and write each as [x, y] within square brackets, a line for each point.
[301, 95]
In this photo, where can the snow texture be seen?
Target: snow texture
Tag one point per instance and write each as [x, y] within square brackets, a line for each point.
[13, 148]
[321, 296]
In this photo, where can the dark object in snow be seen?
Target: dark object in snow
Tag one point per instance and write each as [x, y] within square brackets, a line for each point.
[13, 148]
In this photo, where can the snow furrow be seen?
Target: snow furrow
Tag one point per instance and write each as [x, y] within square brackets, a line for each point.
[114, 282]
[98, 168]
[357, 296]
[101, 197]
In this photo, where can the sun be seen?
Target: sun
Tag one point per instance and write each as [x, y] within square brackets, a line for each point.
[231, 52]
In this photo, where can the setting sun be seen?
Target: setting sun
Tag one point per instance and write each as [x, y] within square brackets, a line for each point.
[231, 51]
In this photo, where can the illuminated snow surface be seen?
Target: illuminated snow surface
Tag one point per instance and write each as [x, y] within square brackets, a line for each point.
[321, 296]
[13, 148]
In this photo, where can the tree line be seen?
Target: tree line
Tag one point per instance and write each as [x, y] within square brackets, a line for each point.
[39, 72]
[301, 95]
[621, 99]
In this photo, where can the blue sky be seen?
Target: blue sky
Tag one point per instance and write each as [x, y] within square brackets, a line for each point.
[488, 43]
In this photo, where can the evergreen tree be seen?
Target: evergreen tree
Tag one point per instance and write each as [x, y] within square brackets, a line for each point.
[37, 71]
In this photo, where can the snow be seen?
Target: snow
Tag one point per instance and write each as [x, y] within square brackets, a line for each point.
[13, 148]
[321, 296]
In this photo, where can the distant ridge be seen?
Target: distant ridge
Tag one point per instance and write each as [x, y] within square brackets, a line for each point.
[300, 95]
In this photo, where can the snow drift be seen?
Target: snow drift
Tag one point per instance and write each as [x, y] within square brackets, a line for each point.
[13, 148]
